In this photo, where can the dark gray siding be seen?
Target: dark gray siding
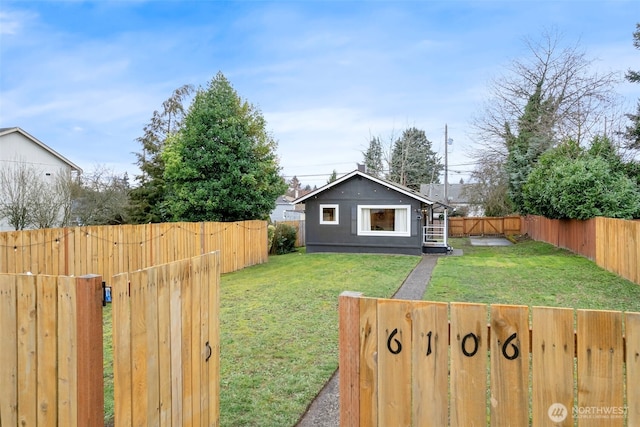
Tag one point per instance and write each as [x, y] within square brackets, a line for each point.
[343, 237]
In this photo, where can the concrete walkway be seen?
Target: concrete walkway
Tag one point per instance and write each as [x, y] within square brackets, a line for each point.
[324, 411]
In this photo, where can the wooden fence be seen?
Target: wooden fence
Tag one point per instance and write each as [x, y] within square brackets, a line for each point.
[166, 351]
[300, 231]
[613, 244]
[51, 357]
[419, 363]
[487, 226]
[111, 250]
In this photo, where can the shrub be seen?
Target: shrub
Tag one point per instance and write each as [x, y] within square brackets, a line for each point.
[284, 239]
[271, 231]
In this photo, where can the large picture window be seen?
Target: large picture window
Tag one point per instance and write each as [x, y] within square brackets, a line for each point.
[329, 214]
[384, 220]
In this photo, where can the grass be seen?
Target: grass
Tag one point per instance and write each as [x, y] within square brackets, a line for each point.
[107, 357]
[279, 320]
[279, 330]
[529, 273]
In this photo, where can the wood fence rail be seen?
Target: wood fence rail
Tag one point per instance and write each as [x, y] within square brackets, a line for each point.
[420, 363]
[111, 250]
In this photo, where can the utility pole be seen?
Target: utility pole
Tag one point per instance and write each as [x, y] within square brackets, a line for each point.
[446, 165]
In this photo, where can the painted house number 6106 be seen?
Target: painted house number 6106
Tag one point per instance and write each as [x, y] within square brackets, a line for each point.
[469, 345]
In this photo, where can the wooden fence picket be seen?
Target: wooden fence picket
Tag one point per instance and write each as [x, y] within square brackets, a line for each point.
[632, 333]
[8, 359]
[27, 348]
[394, 363]
[509, 349]
[469, 347]
[600, 366]
[430, 364]
[368, 362]
[121, 313]
[553, 350]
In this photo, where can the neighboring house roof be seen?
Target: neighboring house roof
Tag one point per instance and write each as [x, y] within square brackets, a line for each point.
[7, 131]
[284, 200]
[455, 192]
[397, 187]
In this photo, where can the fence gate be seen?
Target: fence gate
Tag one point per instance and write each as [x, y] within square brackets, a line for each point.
[166, 344]
[51, 354]
[419, 363]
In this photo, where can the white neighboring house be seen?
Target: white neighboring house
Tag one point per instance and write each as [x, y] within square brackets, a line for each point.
[16, 145]
[286, 210]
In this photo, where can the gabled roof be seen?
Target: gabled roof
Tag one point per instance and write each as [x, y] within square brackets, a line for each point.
[7, 131]
[456, 193]
[397, 187]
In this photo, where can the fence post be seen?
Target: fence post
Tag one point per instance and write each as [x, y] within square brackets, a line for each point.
[90, 363]
[349, 358]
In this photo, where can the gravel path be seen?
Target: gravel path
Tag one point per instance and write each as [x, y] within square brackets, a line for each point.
[324, 411]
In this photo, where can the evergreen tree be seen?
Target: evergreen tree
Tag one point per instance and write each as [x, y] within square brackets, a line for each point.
[294, 187]
[148, 197]
[570, 182]
[373, 158]
[332, 177]
[222, 165]
[533, 139]
[632, 133]
[413, 162]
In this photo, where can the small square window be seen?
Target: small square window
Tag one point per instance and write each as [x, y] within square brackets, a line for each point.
[329, 214]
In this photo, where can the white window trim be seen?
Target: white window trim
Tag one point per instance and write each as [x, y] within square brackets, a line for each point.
[360, 221]
[337, 215]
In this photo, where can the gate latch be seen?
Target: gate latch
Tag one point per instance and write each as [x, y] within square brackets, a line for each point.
[106, 294]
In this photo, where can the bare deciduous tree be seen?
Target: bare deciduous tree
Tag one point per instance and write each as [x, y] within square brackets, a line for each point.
[101, 198]
[51, 205]
[577, 97]
[17, 187]
[572, 100]
[489, 188]
[29, 200]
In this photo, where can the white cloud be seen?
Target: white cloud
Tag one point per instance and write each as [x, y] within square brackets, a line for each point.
[12, 22]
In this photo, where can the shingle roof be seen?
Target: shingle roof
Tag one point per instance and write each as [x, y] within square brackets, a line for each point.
[400, 188]
[455, 192]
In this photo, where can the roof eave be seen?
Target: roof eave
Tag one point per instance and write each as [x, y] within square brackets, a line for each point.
[388, 184]
[42, 145]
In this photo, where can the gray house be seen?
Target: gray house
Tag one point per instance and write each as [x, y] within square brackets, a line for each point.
[457, 195]
[361, 213]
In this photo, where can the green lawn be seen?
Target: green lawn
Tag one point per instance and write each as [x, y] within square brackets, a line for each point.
[279, 320]
[279, 330]
[529, 273]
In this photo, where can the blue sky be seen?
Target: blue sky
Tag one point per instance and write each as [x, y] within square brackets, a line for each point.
[84, 77]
